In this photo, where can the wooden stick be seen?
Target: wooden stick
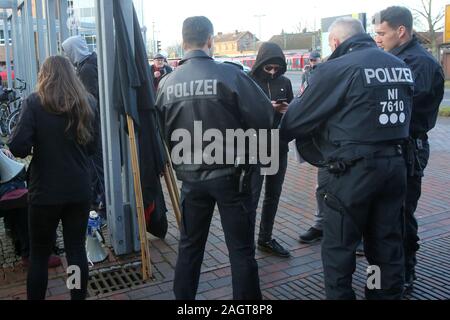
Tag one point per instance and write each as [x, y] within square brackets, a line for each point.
[172, 187]
[145, 252]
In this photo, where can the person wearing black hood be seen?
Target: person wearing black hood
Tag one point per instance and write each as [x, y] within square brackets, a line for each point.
[268, 72]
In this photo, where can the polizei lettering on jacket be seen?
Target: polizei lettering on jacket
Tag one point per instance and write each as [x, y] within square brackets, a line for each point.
[386, 76]
[194, 88]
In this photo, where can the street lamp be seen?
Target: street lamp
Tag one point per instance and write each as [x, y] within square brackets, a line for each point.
[259, 17]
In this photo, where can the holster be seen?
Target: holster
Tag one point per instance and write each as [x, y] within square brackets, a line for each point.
[339, 167]
[244, 178]
[413, 165]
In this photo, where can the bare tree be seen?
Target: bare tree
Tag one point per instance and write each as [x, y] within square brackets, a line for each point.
[301, 27]
[175, 51]
[433, 21]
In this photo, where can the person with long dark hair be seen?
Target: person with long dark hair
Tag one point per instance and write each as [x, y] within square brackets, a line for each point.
[58, 128]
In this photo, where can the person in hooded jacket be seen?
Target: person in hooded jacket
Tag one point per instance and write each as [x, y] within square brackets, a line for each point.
[85, 62]
[76, 49]
[268, 72]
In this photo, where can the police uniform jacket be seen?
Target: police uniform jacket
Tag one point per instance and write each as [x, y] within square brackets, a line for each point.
[360, 96]
[428, 89]
[221, 97]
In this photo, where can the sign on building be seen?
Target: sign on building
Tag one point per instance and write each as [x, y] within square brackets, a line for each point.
[447, 24]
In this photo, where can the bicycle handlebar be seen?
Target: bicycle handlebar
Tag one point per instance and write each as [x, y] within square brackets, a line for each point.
[23, 87]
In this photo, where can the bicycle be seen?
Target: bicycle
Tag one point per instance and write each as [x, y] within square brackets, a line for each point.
[14, 114]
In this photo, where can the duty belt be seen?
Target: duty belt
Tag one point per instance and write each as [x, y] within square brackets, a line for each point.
[339, 166]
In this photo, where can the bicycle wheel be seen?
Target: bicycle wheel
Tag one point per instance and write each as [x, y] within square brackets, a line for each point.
[12, 121]
[3, 123]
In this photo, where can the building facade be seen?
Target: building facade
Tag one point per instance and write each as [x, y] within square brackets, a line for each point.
[235, 44]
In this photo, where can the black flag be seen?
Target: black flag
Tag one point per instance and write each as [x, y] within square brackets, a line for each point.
[132, 73]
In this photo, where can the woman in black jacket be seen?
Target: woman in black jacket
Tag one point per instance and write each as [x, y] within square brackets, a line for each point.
[57, 126]
[268, 71]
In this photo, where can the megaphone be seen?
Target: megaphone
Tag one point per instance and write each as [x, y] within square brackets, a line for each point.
[94, 240]
[9, 169]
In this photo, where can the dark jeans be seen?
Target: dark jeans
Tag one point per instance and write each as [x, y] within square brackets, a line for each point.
[366, 201]
[17, 221]
[273, 188]
[238, 221]
[413, 193]
[98, 180]
[43, 222]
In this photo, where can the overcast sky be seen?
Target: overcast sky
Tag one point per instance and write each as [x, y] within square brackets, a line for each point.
[231, 15]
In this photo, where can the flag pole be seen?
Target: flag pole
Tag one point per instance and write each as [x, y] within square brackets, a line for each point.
[145, 251]
[172, 187]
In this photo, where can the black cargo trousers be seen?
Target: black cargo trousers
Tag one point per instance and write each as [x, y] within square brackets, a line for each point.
[413, 193]
[198, 200]
[365, 201]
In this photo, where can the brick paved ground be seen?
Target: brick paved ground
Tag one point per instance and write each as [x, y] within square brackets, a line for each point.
[299, 277]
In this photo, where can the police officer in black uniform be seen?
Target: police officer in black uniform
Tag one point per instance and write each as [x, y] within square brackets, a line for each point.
[222, 97]
[358, 105]
[394, 28]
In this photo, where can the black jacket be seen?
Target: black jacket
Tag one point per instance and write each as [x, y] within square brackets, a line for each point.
[306, 76]
[59, 172]
[278, 87]
[164, 71]
[360, 96]
[218, 94]
[429, 86]
[88, 73]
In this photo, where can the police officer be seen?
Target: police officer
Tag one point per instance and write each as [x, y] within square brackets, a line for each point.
[358, 104]
[394, 29]
[222, 97]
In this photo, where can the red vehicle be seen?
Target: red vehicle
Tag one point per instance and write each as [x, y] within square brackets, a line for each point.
[173, 63]
[297, 62]
[4, 75]
[248, 61]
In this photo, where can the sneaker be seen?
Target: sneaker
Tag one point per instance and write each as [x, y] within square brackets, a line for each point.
[311, 236]
[273, 247]
[360, 250]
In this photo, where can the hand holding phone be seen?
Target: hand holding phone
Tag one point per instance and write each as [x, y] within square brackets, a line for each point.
[281, 101]
[280, 105]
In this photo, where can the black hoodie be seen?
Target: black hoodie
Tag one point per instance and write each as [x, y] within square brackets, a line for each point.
[278, 87]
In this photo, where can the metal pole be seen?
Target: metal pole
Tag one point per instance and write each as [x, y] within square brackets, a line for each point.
[40, 31]
[18, 45]
[63, 29]
[15, 41]
[7, 49]
[50, 7]
[154, 40]
[118, 213]
[27, 15]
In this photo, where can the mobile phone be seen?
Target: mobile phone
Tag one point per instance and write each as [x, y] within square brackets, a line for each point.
[280, 101]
